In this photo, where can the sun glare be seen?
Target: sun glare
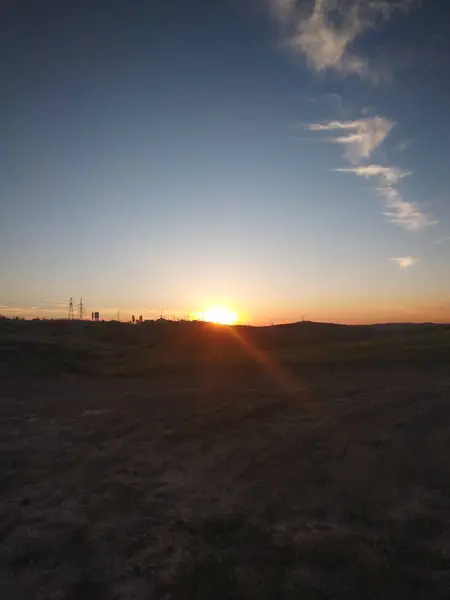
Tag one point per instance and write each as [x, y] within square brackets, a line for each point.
[220, 315]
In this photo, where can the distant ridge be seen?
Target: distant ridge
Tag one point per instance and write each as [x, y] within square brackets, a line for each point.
[322, 324]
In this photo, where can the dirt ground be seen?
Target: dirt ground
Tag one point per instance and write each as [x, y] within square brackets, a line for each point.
[331, 482]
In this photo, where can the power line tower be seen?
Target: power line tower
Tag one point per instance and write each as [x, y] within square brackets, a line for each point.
[81, 310]
[70, 309]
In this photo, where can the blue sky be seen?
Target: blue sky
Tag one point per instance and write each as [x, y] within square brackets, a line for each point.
[284, 159]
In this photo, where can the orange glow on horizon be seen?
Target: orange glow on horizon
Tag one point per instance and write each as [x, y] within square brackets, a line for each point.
[219, 315]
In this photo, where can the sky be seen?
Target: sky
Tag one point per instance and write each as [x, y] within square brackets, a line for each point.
[286, 159]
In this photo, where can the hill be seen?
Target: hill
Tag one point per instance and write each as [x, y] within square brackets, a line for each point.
[123, 349]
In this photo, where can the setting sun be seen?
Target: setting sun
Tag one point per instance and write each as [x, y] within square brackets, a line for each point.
[220, 315]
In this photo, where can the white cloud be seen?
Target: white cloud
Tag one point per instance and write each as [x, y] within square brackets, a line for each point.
[363, 137]
[398, 211]
[325, 34]
[405, 214]
[390, 175]
[406, 261]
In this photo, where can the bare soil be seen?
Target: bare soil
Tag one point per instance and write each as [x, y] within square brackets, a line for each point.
[324, 482]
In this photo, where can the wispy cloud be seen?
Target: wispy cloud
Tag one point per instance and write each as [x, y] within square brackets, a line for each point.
[403, 213]
[368, 110]
[398, 211]
[390, 175]
[324, 31]
[325, 34]
[361, 136]
[403, 145]
[406, 261]
[442, 240]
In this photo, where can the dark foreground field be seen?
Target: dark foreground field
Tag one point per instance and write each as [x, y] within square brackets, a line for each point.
[195, 462]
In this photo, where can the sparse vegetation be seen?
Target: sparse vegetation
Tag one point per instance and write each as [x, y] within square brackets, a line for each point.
[180, 461]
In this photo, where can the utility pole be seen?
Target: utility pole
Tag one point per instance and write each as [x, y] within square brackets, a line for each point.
[81, 310]
[70, 309]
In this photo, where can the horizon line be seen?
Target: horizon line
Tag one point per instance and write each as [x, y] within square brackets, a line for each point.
[182, 321]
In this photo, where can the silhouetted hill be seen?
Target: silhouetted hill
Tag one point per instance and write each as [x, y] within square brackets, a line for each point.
[120, 349]
[320, 332]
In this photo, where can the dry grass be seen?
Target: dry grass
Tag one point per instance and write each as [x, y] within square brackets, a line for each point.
[327, 481]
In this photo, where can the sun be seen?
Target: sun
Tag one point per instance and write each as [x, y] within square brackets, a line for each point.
[220, 315]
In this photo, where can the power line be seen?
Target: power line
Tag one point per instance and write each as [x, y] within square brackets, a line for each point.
[81, 310]
[70, 309]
